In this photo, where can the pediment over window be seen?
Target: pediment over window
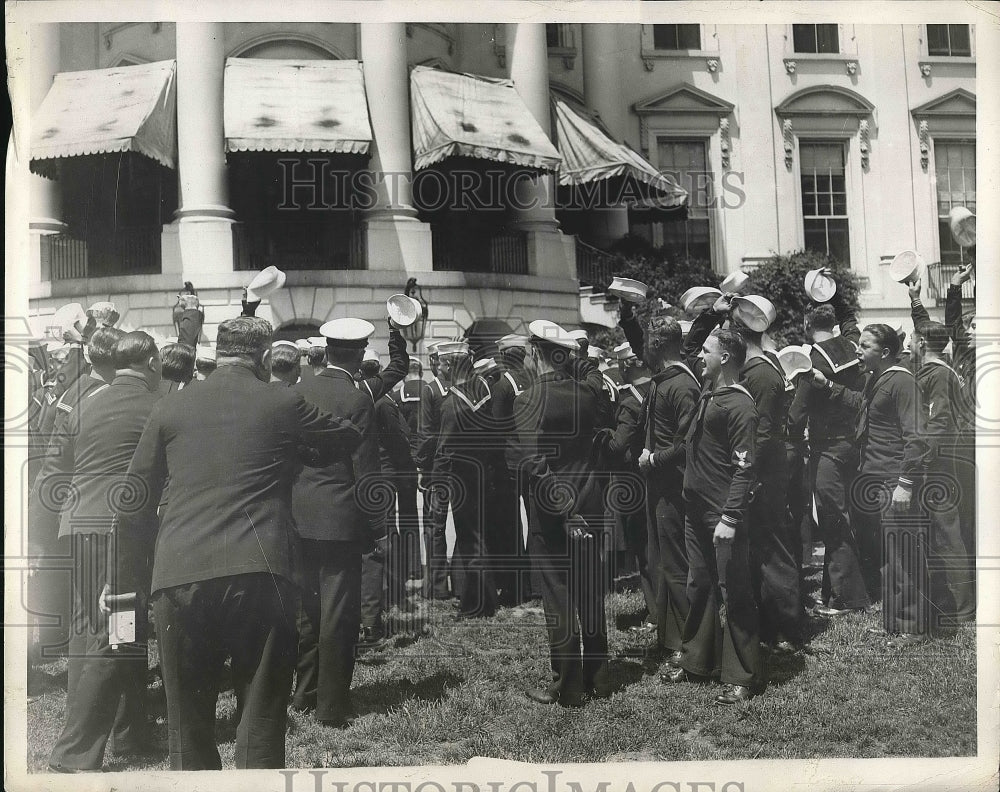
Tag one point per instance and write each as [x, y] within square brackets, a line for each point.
[959, 102]
[684, 98]
[825, 100]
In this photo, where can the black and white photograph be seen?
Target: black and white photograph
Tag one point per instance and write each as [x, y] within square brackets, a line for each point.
[508, 397]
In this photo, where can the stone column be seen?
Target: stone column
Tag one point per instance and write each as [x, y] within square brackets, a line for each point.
[45, 210]
[396, 239]
[527, 55]
[602, 94]
[204, 219]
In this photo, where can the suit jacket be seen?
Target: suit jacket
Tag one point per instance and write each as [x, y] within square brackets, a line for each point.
[91, 452]
[230, 448]
[341, 501]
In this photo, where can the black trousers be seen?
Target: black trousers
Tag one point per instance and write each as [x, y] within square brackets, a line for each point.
[773, 550]
[505, 538]
[105, 695]
[668, 559]
[573, 582]
[251, 619]
[721, 634]
[832, 478]
[407, 557]
[329, 622]
[627, 510]
[374, 568]
[436, 497]
[471, 574]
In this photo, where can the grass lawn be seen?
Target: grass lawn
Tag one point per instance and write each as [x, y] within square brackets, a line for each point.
[456, 691]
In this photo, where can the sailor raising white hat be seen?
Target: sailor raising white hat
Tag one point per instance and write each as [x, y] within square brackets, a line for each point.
[512, 341]
[347, 332]
[546, 332]
[104, 313]
[371, 354]
[265, 282]
[452, 348]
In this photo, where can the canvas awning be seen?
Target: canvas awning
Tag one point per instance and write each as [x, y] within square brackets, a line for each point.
[296, 105]
[466, 115]
[102, 111]
[589, 154]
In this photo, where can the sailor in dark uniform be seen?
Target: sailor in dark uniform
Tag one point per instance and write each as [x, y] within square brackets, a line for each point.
[509, 552]
[894, 455]
[435, 498]
[833, 456]
[718, 477]
[557, 417]
[407, 398]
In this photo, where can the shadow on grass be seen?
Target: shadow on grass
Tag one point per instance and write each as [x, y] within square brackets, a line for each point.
[380, 697]
[41, 682]
[623, 673]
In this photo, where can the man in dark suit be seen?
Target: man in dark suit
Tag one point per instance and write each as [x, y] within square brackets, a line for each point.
[92, 450]
[222, 578]
[286, 364]
[177, 367]
[338, 518]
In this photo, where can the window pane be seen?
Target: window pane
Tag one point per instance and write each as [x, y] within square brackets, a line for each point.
[827, 38]
[808, 204]
[665, 37]
[822, 182]
[815, 235]
[823, 204]
[837, 184]
[840, 243]
[689, 37]
[937, 40]
[552, 35]
[804, 38]
[808, 181]
[960, 40]
[839, 204]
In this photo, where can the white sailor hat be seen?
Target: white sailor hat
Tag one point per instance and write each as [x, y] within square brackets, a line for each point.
[104, 313]
[205, 353]
[371, 354]
[265, 282]
[755, 312]
[291, 344]
[432, 348]
[595, 352]
[316, 341]
[303, 344]
[578, 335]
[624, 352]
[550, 333]
[68, 323]
[485, 365]
[511, 341]
[452, 348]
[347, 332]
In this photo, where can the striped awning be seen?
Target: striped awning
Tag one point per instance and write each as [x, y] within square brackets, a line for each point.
[466, 115]
[102, 111]
[589, 154]
[296, 106]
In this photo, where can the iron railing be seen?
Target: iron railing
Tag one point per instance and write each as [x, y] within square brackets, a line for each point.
[504, 252]
[593, 266]
[130, 251]
[293, 245]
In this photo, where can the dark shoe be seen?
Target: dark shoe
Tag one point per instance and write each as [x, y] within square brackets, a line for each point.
[674, 660]
[734, 694]
[786, 648]
[826, 610]
[339, 722]
[542, 696]
[371, 638]
[677, 675]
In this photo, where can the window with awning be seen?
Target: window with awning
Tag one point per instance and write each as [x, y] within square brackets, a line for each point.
[106, 111]
[296, 106]
[467, 115]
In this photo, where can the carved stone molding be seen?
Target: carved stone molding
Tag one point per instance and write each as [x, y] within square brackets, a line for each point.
[712, 64]
[648, 64]
[864, 136]
[925, 70]
[724, 142]
[790, 65]
[644, 136]
[110, 33]
[925, 144]
[787, 134]
[851, 66]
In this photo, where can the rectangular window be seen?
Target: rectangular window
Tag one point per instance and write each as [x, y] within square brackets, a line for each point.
[552, 35]
[949, 40]
[677, 37]
[955, 169]
[686, 161]
[824, 199]
[820, 39]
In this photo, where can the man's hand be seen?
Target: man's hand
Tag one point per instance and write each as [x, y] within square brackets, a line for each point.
[914, 289]
[190, 301]
[102, 600]
[724, 304]
[723, 533]
[645, 460]
[963, 274]
[901, 498]
[819, 379]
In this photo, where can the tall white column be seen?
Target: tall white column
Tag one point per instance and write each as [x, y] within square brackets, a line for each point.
[602, 94]
[397, 240]
[204, 217]
[527, 55]
[45, 211]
